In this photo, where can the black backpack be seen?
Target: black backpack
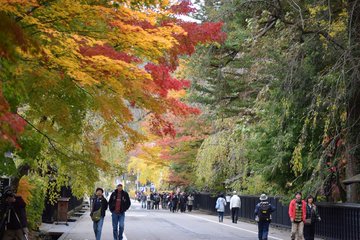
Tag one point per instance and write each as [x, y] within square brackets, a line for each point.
[264, 211]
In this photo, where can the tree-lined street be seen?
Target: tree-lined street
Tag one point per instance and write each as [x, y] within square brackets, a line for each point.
[174, 98]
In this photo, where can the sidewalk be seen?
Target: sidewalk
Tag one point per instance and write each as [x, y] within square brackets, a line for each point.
[83, 229]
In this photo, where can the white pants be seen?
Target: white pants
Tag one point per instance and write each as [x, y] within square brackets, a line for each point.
[297, 231]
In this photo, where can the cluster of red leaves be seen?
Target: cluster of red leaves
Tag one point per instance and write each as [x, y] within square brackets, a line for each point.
[161, 75]
[183, 8]
[160, 127]
[11, 124]
[108, 51]
[181, 109]
[198, 33]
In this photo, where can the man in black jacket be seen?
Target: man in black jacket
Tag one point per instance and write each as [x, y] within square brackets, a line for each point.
[119, 203]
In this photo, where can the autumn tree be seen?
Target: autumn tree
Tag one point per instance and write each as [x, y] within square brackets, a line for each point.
[73, 73]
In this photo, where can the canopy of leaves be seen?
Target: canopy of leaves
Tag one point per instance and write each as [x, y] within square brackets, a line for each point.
[74, 72]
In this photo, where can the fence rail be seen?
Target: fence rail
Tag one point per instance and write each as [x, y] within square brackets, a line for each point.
[339, 221]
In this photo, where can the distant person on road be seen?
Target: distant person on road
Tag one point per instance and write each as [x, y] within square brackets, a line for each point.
[148, 202]
[235, 204]
[156, 201]
[297, 214]
[119, 203]
[143, 200]
[174, 202]
[263, 212]
[99, 206]
[312, 216]
[183, 200]
[190, 202]
[220, 207]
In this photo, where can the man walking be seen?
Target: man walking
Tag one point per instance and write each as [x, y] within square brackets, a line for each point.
[263, 212]
[98, 211]
[297, 214]
[235, 204]
[119, 203]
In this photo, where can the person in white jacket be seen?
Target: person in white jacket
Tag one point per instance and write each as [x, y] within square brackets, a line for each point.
[220, 207]
[235, 204]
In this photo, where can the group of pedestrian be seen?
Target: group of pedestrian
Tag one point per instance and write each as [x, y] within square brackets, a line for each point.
[235, 204]
[180, 201]
[303, 215]
[119, 203]
[151, 201]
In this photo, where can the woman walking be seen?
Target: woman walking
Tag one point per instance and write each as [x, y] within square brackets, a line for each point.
[220, 206]
[190, 202]
[99, 206]
[312, 216]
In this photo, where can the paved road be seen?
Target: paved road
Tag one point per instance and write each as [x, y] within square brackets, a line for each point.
[163, 225]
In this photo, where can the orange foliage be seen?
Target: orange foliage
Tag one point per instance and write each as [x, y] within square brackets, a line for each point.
[24, 189]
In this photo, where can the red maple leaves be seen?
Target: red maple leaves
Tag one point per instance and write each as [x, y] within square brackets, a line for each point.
[108, 51]
[11, 124]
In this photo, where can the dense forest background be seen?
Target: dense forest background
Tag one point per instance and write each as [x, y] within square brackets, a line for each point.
[280, 99]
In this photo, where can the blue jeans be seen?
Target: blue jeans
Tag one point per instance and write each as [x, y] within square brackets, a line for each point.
[98, 227]
[221, 216]
[118, 220]
[263, 230]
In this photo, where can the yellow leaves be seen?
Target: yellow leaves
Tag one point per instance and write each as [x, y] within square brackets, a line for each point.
[317, 9]
[24, 189]
[83, 78]
[296, 160]
[177, 94]
[149, 43]
[334, 24]
[10, 6]
[148, 172]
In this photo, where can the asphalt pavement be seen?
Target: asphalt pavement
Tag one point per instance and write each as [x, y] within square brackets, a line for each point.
[160, 224]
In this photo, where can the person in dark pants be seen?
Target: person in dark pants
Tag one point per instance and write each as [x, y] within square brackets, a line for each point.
[14, 221]
[174, 202]
[312, 216]
[263, 212]
[99, 202]
[235, 204]
[183, 200]
[119, 203]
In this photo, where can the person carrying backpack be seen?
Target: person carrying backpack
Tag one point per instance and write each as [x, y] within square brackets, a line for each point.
[263, 212]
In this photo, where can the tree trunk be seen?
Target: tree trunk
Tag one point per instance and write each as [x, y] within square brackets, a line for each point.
[21, 171]
[353, 106]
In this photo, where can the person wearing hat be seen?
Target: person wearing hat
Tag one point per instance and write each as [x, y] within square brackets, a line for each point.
[297, 214]
[14, 220]
[119, 203]
[263, 212]
[235, 204]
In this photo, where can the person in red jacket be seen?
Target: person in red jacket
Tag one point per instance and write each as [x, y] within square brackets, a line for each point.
[297, 214]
